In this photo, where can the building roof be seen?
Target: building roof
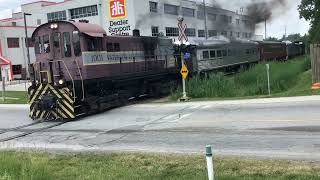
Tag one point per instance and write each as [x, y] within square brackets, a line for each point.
[46, 3]
[4, 61]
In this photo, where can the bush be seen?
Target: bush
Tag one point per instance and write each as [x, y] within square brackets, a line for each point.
[283, 76]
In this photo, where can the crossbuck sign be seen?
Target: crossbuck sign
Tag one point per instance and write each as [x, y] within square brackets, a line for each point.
[182, 32]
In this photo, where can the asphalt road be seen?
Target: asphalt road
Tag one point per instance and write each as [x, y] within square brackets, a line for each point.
[286, 128]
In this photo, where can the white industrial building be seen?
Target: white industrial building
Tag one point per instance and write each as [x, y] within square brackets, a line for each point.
[120, 17]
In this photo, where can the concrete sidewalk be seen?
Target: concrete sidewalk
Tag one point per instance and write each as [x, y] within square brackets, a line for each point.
[15, 86]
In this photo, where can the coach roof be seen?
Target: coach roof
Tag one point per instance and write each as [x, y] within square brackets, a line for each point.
[93, 30]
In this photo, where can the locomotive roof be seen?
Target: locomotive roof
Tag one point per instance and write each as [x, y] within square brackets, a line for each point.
[93, 30]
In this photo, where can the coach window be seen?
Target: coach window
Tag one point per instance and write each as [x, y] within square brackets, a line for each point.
[76, 43]
[66, 44]
[38, 45]
[205, 54]
[229, 52]
[219, 53]
[212, 54]
[224, 53]
[46, 44]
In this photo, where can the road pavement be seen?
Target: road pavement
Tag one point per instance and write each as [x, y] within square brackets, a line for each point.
[284, 128]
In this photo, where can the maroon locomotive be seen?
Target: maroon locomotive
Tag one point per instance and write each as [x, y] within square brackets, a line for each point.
[273, 50]
[80, 70]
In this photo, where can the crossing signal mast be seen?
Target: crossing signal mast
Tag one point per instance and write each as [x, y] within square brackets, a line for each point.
[182, 44]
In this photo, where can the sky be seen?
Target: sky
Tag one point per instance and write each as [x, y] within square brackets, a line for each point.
[287, 18]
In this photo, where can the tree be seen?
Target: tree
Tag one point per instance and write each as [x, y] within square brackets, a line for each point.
[272, 39]
[310, 11]
[294, 37]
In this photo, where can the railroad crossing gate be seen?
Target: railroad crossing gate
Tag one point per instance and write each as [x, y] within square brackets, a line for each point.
[184, 72]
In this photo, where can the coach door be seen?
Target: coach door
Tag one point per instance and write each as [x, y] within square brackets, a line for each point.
[56, 39]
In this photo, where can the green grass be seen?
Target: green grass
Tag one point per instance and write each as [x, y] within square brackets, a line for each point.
[14, 97]
[291, 78]
[39, 166]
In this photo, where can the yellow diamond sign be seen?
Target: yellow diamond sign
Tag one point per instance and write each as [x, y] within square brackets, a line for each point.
[184, 72]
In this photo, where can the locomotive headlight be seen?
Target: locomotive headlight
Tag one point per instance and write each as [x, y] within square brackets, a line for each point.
[54, 26]
[30, 83]
[61, 81]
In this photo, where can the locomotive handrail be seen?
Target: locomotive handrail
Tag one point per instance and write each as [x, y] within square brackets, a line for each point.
[81, 80]
[74, 91]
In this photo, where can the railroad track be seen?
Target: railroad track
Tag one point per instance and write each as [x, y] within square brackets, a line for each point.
[31, 131]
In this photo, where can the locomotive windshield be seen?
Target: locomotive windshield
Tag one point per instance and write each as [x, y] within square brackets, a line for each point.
[76, 43]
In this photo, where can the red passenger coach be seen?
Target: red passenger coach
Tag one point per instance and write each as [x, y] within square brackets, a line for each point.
[273, 50]
[80, 70]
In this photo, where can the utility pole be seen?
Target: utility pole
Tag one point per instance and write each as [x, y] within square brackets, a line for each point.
[205, 19]
[285, 32]
[265, 28]
[27, 42]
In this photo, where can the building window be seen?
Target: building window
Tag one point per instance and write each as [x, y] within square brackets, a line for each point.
[238, 21]
[200, 14]
[16, 69]
[84, 12]
[224, 33]
[201, 33]
[229, 19]
[171, 31]
[191, 32]
[245, 35]
[155, 31]
[188, 12]
[153, 6]
[212, 33]
[14, 23]
[238, 34]
[57, 16]
[38, 21]
[13, 42]
[250, 35]
[171, 9]
[212, 17]
[231, 34]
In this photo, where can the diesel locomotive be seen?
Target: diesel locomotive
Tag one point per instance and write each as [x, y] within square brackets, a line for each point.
[80, 70]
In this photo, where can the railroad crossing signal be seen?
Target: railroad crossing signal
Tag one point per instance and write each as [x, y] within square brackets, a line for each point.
[184, 72]
[182, 32]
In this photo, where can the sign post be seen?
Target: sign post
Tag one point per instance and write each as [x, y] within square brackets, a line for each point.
[3, 88]
[268, 75]
[183, 40]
